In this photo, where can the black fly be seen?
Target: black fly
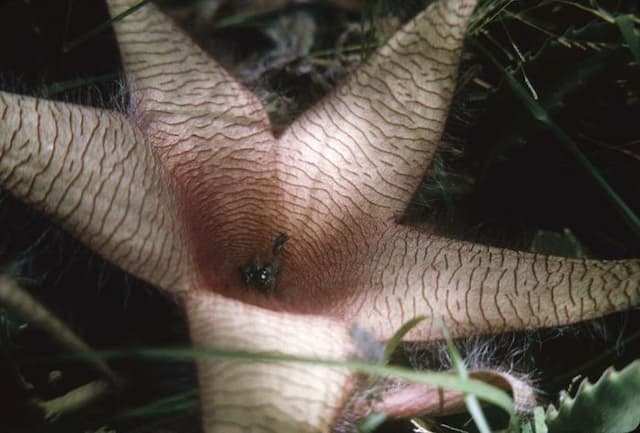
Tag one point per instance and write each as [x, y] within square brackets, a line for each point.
[279, 243]
[263, 275]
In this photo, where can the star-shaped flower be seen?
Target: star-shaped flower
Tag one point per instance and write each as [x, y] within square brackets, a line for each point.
[282, 243]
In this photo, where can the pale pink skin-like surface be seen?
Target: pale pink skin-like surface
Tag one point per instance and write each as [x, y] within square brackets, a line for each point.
[191, 185]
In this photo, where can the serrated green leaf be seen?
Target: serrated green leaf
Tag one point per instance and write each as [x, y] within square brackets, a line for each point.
[611, 405]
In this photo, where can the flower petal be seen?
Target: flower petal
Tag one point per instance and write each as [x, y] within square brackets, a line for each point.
[239, 396]
[367, 146]
[476, 289]
[212, 134]
[92, 171]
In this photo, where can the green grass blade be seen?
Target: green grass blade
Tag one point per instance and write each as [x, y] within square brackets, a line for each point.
[396, 339]
[371, 423]
[64, 86]
[471, 401]
[100, 28]
[539, 420]
[485, 392]
[627, 30]
[540, 114]
[178, 403]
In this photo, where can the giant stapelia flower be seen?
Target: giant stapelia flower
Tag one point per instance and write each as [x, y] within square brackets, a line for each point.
[283, 243]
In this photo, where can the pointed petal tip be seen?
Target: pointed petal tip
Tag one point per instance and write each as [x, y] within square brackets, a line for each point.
[272, 391]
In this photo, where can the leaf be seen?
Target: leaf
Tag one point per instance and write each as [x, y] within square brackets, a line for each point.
[539, 420]
[625, 25]
[540, 113]
[371, 423]
[611, 405]
[395, 341]
[535, 424]
[484, 391]
[102, 27]
[65, 86]
[473, 405]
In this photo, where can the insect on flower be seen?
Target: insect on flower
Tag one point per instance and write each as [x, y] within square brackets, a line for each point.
[261, 275]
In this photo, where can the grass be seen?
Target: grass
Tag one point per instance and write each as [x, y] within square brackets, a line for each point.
[543, 137]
